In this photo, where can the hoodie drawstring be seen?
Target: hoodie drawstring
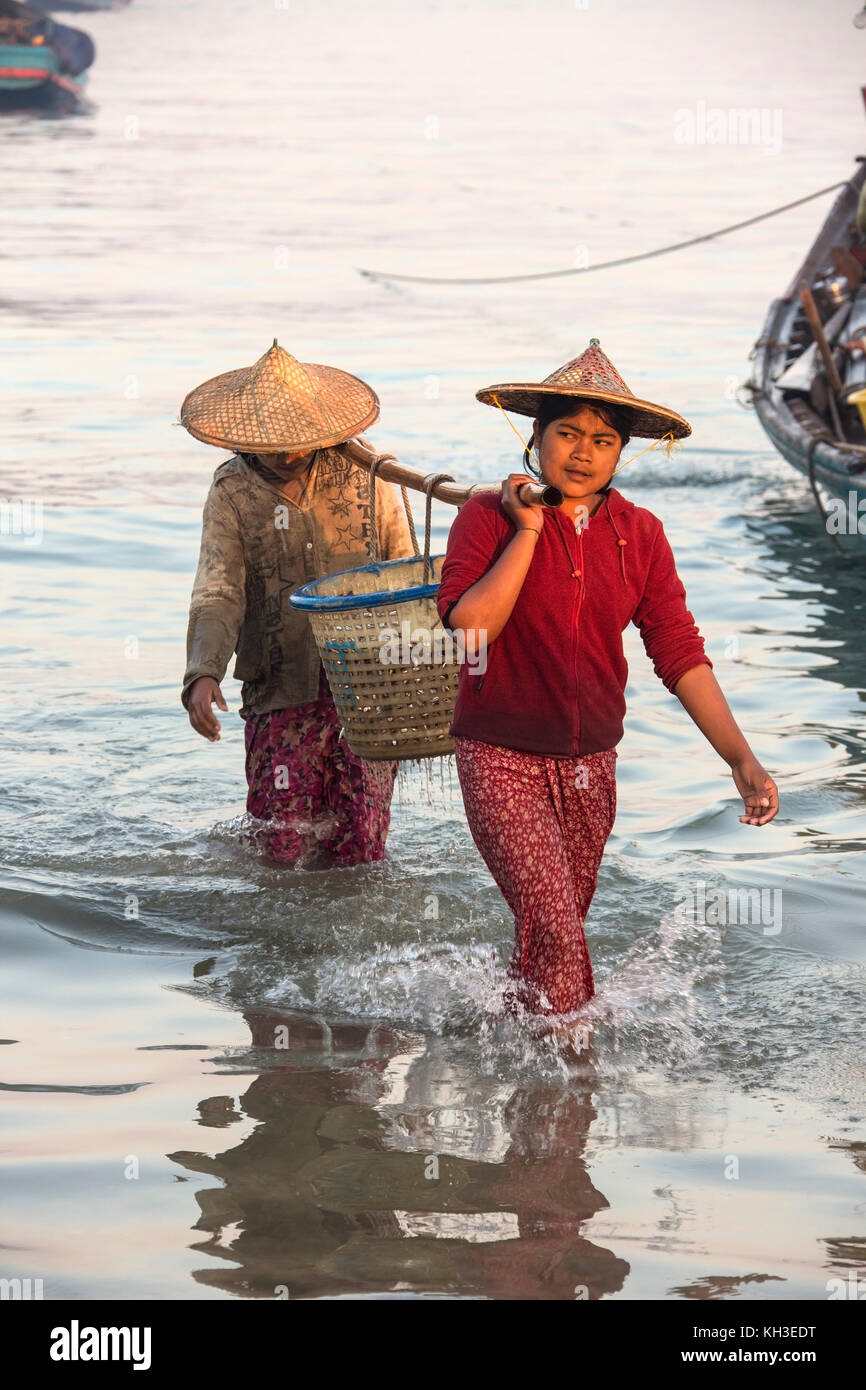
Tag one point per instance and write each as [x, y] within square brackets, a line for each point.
[621, 543]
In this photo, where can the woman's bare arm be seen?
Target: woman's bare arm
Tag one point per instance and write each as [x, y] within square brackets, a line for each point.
[488, 605]
[701, 696]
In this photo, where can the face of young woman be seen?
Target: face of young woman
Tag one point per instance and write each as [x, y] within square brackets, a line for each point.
[579, 453]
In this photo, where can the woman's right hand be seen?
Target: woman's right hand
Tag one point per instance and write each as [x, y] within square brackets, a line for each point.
[524, 518]
[202, 694]
[487, 604]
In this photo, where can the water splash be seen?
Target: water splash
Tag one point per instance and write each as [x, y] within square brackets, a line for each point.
[255, 836]
[659, 1007]
[665, 1002]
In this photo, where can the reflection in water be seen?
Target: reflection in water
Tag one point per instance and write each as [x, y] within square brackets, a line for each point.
[371, 1166]
[723, 1286]
[803, 561]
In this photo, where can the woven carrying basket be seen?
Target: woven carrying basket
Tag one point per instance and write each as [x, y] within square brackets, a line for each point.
[395, 696]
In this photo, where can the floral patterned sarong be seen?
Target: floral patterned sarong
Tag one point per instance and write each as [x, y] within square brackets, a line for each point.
[541, 825]
[313, 798]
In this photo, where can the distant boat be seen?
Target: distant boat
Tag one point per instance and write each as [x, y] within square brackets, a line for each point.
[795, 388]
[42, 62]
[31, 74]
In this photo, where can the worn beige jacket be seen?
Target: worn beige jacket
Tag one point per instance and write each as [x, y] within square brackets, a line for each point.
[257, 547]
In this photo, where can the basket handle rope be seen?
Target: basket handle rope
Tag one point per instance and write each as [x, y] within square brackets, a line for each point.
[429, 483]
[373, 543]
[409, 518]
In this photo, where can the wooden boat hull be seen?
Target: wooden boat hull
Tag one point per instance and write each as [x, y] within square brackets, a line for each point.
[792, 426]
[28, 84]
[24, 67]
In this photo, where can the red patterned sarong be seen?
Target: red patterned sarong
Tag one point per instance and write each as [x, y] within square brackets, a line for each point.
[541, 825]
[310, 792]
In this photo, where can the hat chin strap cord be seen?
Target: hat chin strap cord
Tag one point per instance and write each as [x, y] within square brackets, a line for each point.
[668, 440]
[670, 444]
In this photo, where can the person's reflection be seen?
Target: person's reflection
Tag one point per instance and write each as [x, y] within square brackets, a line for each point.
[332, 1195]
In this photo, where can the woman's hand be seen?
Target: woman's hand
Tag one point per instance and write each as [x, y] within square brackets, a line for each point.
[699, 693]
[524, 518]
[486, 606]
[758, 790]
[203, 693]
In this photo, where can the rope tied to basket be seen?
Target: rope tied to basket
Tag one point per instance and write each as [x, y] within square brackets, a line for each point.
[429, 483]
[373, 543]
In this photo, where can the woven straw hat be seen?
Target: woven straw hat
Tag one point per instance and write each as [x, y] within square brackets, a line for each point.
[591, 376]
[279, 405]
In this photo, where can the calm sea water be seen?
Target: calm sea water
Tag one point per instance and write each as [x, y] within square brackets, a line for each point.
[240, 164]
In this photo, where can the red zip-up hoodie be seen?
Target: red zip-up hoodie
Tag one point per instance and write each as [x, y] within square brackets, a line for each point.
[556, 674]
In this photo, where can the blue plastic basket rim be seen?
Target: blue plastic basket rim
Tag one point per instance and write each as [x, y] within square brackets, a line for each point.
[311, 602]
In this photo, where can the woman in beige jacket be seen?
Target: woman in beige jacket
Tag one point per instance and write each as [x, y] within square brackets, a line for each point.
[288, 508]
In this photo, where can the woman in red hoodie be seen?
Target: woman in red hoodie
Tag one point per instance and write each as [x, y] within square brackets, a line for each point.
[550, 592]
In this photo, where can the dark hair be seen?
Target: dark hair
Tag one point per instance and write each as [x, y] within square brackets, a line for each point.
[551, 408]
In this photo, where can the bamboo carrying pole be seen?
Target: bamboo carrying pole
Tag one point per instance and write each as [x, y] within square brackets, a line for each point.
[455, 493]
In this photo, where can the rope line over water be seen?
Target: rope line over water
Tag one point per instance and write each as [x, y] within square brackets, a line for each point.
[601, 265]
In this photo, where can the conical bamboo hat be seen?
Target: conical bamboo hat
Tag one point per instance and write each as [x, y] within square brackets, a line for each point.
[280, 405]
[591, 376]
